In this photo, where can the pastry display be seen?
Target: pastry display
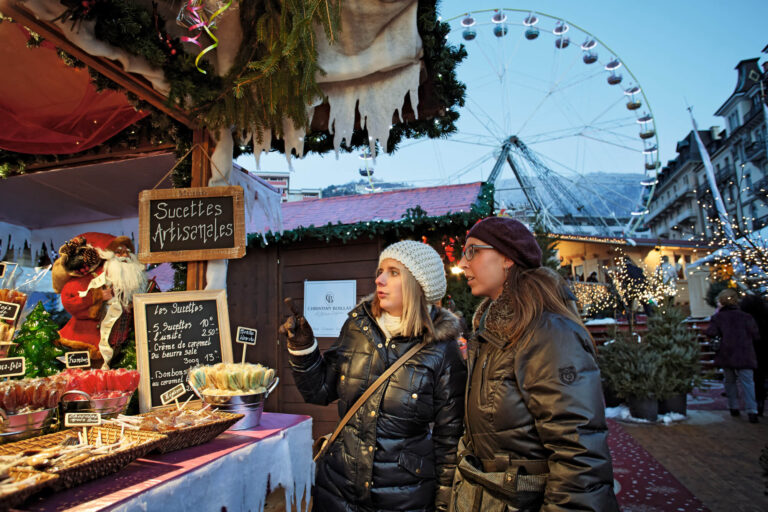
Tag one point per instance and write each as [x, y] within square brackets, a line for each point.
[7, 327]
[166, 420]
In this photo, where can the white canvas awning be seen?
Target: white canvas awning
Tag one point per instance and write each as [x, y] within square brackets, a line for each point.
[53, 206]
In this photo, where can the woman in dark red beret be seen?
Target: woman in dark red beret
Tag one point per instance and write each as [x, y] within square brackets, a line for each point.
[536, 437]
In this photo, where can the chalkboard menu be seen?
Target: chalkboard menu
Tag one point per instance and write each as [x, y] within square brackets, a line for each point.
[174, 332]
[191, 224]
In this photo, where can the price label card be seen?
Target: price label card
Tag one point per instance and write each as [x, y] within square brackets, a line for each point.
[79, 359]
[172, 394]
[246, 335]
[9, 311]
[12, 367]
[82, 419]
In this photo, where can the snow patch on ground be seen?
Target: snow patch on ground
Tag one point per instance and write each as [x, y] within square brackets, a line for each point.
[622, 413]
[601, 321]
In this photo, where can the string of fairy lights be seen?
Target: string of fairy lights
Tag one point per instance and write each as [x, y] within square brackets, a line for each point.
[630, 286]
[741, 261]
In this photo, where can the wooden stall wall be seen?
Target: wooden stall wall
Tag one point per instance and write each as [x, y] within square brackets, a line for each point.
[257, 285]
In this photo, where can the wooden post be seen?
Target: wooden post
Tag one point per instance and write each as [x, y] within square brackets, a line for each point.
[201, 173]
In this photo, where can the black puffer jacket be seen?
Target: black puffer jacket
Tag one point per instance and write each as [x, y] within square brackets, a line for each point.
[386, 458]
[537, 405]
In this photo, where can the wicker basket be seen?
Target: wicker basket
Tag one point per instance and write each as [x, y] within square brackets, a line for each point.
[94, 467]
[192, 436]
[39, 482]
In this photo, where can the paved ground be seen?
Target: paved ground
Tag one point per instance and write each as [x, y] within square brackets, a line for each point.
[714, 455]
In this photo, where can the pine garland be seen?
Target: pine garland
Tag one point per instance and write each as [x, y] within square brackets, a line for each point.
[415, 221]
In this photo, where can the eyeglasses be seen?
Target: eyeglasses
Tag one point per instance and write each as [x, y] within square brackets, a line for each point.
[469, 251]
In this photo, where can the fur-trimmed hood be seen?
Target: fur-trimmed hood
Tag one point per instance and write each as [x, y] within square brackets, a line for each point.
[446, 324]
[498, 321]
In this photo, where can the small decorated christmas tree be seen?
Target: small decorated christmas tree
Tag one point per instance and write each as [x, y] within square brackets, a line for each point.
[669, 336]
[35, 342]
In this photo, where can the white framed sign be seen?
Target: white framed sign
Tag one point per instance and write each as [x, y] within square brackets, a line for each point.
[326, 304]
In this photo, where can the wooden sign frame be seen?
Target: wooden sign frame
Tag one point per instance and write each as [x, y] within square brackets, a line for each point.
[236, 192]
[140, 301]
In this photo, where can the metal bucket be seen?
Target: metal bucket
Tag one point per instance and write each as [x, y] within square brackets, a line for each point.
[15, 427]
[250, 405]
[108, 407]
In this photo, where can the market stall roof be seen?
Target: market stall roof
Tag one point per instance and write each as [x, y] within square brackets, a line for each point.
[51, 108]
[371, 66]
[383, 206]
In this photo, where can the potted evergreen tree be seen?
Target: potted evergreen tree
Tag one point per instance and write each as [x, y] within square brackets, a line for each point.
[669, 336]
[633, 369]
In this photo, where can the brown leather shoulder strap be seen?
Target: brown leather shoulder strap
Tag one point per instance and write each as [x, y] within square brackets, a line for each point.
[368, 392]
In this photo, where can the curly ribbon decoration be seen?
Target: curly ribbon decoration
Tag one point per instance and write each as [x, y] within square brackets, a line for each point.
[197, 15]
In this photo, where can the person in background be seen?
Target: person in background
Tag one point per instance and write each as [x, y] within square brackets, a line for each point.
[738, 333]
[398, 452]
[536, 435]
[592, 277]
[756, 306]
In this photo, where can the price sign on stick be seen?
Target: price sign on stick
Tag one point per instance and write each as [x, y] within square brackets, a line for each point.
[12, 367]
[9, 310]
[82, 419]
[173, 394]
[246, 336]
[79, 359]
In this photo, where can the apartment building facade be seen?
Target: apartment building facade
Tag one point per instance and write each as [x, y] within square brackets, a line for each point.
[683, 206]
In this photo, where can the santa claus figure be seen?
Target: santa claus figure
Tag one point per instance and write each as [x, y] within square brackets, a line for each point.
[97, 275]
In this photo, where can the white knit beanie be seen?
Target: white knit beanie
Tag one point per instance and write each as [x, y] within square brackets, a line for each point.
[424, 263]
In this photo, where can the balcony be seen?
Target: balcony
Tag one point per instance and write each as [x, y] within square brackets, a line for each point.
[682, 222]
[725, 175]
[755, 150]
[760, 188]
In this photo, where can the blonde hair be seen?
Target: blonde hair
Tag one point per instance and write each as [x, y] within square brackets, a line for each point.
[415, 319]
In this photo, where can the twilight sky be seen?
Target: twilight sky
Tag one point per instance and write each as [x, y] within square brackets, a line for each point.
[680, 51]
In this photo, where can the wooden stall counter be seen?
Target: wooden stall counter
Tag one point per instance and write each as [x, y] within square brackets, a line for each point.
[233, 473]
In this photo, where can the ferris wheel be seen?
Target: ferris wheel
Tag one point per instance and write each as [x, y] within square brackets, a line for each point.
[561, 124]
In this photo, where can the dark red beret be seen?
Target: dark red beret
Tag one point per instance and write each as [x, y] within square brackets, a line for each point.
[511, 238]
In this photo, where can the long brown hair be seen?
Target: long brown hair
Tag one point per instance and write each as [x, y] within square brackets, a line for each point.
[415, 319]
[531, 292]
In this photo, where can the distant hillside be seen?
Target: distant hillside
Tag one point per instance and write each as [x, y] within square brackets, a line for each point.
[607, 194]
[358, 187]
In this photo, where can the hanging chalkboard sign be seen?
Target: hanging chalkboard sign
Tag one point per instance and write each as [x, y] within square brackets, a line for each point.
[191, 224]
[174, 332]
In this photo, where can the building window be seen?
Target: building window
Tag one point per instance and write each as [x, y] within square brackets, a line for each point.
[733, 121]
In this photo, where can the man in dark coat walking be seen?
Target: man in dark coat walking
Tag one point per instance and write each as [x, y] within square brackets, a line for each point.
[756, 306]
[738, 333]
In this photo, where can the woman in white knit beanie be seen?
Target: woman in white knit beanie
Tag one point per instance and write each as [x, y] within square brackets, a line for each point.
[398, 452]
